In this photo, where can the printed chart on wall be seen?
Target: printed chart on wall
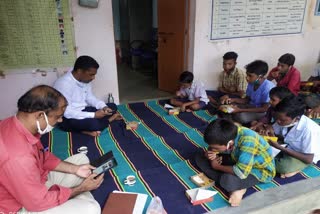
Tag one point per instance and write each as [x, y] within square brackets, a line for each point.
[35, 33]
[251, 18]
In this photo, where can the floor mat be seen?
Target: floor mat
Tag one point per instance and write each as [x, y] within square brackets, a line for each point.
[159, 153]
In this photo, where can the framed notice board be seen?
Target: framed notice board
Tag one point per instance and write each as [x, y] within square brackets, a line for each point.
[252, 18]
[36, 33]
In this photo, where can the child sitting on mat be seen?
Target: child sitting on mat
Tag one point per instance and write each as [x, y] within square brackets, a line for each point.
[191, 96]
[247, 158]
[313, 106]
[301, 135]
[276, 94]
[256, 102]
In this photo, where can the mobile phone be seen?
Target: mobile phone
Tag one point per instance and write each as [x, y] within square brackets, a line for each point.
[104, 163]
[104, 167]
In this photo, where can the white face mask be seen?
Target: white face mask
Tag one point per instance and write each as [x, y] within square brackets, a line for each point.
[229, 146]
[290, 125]
[48, 127]
[296, 120]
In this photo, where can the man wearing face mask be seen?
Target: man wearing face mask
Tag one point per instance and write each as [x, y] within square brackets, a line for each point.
[285, 74]
[33, 179]
[301, 135]
[85, 113]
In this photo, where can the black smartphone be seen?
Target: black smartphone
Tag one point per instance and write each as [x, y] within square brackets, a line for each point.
[104, 163]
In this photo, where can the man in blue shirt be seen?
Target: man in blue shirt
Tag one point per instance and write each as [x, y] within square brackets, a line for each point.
[256, 102]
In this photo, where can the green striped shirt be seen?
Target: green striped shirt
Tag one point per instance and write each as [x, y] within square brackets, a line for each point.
[253, 155]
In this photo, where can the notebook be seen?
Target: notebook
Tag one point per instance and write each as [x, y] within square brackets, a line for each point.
[125, 203]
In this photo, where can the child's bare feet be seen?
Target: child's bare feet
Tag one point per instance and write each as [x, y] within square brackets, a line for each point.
[288, 175]
[236, 197]
[92, 133]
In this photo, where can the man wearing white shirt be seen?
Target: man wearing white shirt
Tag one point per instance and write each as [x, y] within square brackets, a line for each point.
[301, 135]
[85, 113]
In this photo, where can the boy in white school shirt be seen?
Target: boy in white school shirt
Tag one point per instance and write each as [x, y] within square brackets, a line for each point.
[301, 135]
[192, 96]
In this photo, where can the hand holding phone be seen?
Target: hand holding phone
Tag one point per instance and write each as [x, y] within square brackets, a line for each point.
[104, 163]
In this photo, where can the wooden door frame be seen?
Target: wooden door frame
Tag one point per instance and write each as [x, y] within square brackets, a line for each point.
[186, 37]
[190, 33]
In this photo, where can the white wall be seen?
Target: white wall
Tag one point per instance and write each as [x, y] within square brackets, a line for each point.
[208, 54]
[93, 36]
[14, 85]
[191, 28]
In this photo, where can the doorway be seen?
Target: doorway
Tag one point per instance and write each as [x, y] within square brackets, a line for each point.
[150, 43]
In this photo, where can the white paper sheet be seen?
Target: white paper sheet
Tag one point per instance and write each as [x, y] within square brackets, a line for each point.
[200, 194]
[276, 151]
[203, 194]
[168, 106]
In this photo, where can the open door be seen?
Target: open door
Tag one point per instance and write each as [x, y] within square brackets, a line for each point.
[171, 41]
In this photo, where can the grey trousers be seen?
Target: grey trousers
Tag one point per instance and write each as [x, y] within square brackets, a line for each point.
[227, 181]
[243, 117]
[247, 117]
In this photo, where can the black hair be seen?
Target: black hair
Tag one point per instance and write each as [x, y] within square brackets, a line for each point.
[287, 59]
[280, 92]
[220, 131]
[230, 55]
[312, 101]
[258, 67]
[40, 98]
[85, 63]
[291, 106]
[186, 77]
